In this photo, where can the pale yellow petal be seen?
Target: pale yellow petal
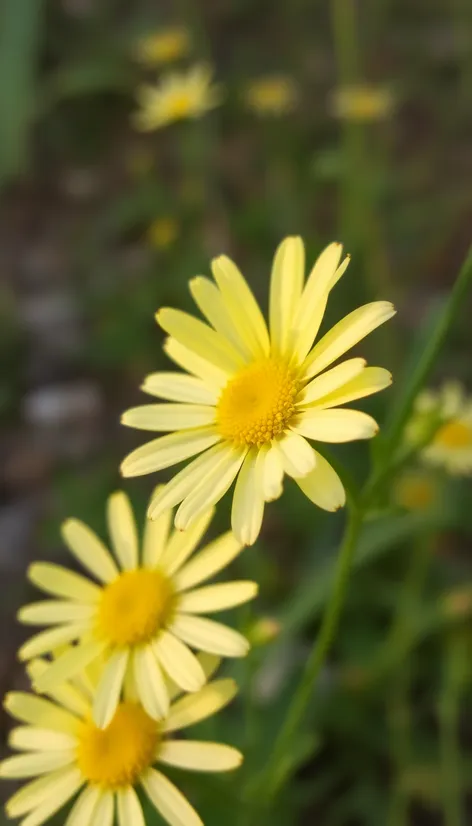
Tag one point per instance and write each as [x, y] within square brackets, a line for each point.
[213, 377]
[183, 543]
[273, 472]
[36, 792]
[211, 487]
[36, 711]
[89, 550]
[162, 417]
[248, 501]
[242, 306]
[216, 556]
[207, 635]
[169, 450]
[285, 291]
[122, 530]
[62, 794]
[330, 381]
[54, 579]
[200, 756]
[129, 808]
[83, 809]
[218, 597]
[178, 387]
[192, 708]
[104, 810]
[156, 533]
[150, 685]
[335, 425]
[198, 337]
[298, 457]
[167, 799]
[52, 638]
[53, 612]
[371, 380]
[345, 334]
[32, 738]
[65, 694]
[323, 486]
[178, 661]
[109, 688]
[69, 664]
[28, 765]
[210, 302]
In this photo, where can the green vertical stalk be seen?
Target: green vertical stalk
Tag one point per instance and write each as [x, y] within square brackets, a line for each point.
[449, 708]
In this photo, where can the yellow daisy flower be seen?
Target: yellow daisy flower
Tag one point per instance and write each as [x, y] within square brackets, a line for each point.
[254, 397]
[65, 753]
[271, 95]
[415, 490]
[163, 232]
[163, 46]
[141, 615]
[177, 96]
[362, 103]
[451, 446]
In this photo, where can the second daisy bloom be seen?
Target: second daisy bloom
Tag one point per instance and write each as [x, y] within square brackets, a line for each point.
[253, 394]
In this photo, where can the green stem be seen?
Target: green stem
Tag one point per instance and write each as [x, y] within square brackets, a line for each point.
[449, 707]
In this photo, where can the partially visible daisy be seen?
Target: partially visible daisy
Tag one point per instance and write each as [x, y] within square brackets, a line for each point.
[66, 753]
[451, 444]
[163, 46]
[177, 96]
[362, 103]
[254, 397]
[271, 95]
[141, 614]
[163, 232]
[415, 490]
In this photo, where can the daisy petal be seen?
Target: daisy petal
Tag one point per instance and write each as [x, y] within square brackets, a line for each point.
[323, 486]
[46, 641]
[83, 810]
[212, 488]
[130, 812]
[200, 756]
[36, 792]
[371, 380]
[183, 543]
[104, 810]
[298, 457]
[169, 416]
[218, 597]
[52, 612]
[192, 708]
[56, 801]
[241, 305]
[31, 738]
[330, 381]
[28, 765]
[248, 501]
[212, 376]
[54, 579]
[69, 664]
[150, 684]
[36, 711]
[345, 334]
[66, 694]
[109, 688]
[89, 550]
[207, 635]
[197, 336]
[156, 533]
[210, 302]
[178, 661]
[167, 799]
[168, 450]
[285, 291]
[273, 473]
[216, 556]
[335, 425]
[122, 530]
[177, 387]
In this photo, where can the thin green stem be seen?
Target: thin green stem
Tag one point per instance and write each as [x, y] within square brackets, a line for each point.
[449, 707]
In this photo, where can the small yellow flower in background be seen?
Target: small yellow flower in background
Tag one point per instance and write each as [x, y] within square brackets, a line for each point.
[264, 630]
[451, 445]
[141, 615]
[177, 96]
[163, 46]
[271, 95]
[65, 753]
[162, 233]
[457, 603]
[254, 397]
[415, 490]
[362, 103]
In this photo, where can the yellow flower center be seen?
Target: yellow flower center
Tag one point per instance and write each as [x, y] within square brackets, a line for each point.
[134, 606]
[116, 755]
[257, 404]
[415, 492]
[454, 435]
[180, 105]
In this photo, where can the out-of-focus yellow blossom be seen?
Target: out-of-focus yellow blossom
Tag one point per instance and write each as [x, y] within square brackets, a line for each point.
[177, 96]
[162, 233]
[451, 444]
[271, 95]
[415, 490]
[457, 603]
[163, 46]
[264, 630]
[362, 103]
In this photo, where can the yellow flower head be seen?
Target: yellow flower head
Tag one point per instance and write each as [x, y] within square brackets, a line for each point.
[415, 490]
[451, 445]
[256, 394]
[179, 95]
[163, 46]
[271, 95]
[162, 233]
[64, 752]
[362, 103]
[141, 613]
